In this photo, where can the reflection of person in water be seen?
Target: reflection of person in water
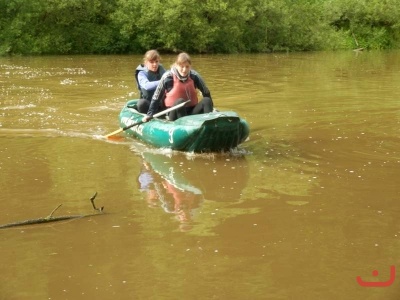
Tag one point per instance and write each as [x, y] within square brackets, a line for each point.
[184, 202]
[146, 183]
[173, 199]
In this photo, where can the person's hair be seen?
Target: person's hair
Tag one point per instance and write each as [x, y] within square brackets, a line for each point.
[183, 58]
[151, 55]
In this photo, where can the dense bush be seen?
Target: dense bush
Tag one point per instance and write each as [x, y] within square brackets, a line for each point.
[196, 26]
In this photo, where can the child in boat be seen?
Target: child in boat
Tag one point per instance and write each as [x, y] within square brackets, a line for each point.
[178, 85]
[148, 75]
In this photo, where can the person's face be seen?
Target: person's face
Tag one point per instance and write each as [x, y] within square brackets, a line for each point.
[152, 65]
[183, 69]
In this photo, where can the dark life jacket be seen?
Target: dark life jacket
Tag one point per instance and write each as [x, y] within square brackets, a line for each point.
[151, 76]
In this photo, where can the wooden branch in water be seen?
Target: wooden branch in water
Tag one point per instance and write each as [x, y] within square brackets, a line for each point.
[94, 206]
[50, 217]
[358, 46]
[51, 214]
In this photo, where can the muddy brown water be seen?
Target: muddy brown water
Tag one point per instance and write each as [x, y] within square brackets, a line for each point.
[307, 204]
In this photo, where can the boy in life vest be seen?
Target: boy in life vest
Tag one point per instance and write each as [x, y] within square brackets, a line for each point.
[177, 85]
[148, 75]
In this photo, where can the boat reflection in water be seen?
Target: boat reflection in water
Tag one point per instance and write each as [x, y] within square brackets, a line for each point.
[191, 187]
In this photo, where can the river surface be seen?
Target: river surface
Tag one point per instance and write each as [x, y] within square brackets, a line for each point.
[309, 203]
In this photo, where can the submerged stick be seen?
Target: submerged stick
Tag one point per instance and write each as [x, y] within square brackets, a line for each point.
[50, 217]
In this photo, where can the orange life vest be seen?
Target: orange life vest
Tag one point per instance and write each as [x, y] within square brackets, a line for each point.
[181, 89]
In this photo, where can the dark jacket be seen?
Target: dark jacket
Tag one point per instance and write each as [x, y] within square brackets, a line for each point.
[151, 76]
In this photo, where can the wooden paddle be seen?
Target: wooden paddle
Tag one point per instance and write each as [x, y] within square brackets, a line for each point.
[141, 121]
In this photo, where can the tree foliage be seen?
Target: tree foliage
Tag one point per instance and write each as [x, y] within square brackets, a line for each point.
[206, 26]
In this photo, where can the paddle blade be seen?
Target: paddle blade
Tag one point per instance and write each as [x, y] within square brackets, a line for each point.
[113, 133]
[116, 138]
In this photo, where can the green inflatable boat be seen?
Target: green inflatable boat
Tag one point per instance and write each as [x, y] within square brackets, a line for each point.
[212, 132]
